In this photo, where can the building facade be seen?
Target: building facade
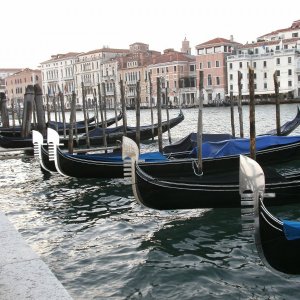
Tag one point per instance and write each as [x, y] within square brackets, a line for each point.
[5, 72]
[277, 53]
[15, 85]
[177, 71]
[211, 61]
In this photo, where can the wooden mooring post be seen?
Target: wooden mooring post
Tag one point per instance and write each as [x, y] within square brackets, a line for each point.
[123, 108]
[160, 145]
[252, 115]
[40, 112]
[151, 105]
[4, 111]
[138, 113]
[232, 114]
[240, 109]
[277, 99]
[27, 111]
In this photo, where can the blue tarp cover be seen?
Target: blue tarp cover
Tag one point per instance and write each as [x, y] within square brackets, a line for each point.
[291, 230]
[242, 146]
[117, 157]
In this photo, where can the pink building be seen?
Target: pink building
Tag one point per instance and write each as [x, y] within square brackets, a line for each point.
[211, 60]
[16, 84]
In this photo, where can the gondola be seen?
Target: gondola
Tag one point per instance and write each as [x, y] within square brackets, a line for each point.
[277, 241]
[89, 165]
[103, 165]
[41, 153]
[59, 126]
[190, 141]
[288, 127]
[214, 190]
[113, 135]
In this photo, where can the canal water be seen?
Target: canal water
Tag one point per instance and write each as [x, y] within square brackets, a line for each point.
[101, 244]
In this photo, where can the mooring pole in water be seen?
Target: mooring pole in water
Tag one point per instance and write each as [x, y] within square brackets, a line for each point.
[200, 124]
[95, 103]
[4, 111]
[84, 116]
[123, 108]
[48, 108]
[40, 112]
[151, 105]
[55, 110]
[160, 146]
[72, 122]
[115, 103]
[138, 113]
[168, 117]
[27, 111]
[232, 114]
[252, 114]
[240, 110]
[62, 108]
[277, 99]
[102, 117]
[104, 102]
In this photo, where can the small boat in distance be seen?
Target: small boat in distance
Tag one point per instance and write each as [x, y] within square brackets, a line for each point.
[277, 241]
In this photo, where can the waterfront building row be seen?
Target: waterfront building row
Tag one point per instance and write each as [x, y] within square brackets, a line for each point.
[219, 60]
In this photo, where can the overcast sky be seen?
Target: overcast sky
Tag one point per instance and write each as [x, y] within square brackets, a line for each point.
[32, 30]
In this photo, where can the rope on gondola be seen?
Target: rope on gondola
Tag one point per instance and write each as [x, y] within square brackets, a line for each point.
[195, 169]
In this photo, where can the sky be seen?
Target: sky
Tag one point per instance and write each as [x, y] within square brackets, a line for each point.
[32, 30]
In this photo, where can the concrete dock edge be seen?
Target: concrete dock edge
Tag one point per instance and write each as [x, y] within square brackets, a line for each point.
[23, 275]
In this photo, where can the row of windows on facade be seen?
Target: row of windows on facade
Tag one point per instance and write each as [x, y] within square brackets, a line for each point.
[166, 69]
[290, 84]
[290, 73]
[254, 64]
[19, 80]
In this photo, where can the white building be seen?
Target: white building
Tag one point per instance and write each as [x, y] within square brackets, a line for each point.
[278, 51]
[89, 71]
[58, 75]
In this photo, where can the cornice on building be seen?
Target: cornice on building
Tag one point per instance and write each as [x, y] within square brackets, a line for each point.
[295, 26]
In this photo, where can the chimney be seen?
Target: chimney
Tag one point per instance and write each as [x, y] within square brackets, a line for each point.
[231, 38]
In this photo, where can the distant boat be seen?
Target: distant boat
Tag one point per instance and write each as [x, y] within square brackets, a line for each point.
[113, 135]
[277, 241]
[59, 126]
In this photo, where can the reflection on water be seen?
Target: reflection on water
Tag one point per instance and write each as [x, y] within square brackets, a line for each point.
[101, 244]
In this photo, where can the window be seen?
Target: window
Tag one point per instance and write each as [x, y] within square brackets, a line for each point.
[230, 66]
[218, 80]
[265, 75]
[295, 34]
[231, 87]
[254, 75]
[289, 83]
[174, 68]
[290, 72]
[255, 86]
[209, 64]
[200, 66]
[241, 64]
[265, 63]
[192, 68]
[157, 70]
[209, 81]
[289, 60]
[285, 46]
[231, 77]
[278, 73]
[298, 77]
[278, 61]
[254, 64]
[265, 85]
[217, 64]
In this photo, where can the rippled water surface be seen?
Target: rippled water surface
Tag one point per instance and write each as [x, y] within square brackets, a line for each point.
[101, 244]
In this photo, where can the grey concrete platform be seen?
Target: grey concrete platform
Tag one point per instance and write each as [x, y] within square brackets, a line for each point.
[23, 275]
